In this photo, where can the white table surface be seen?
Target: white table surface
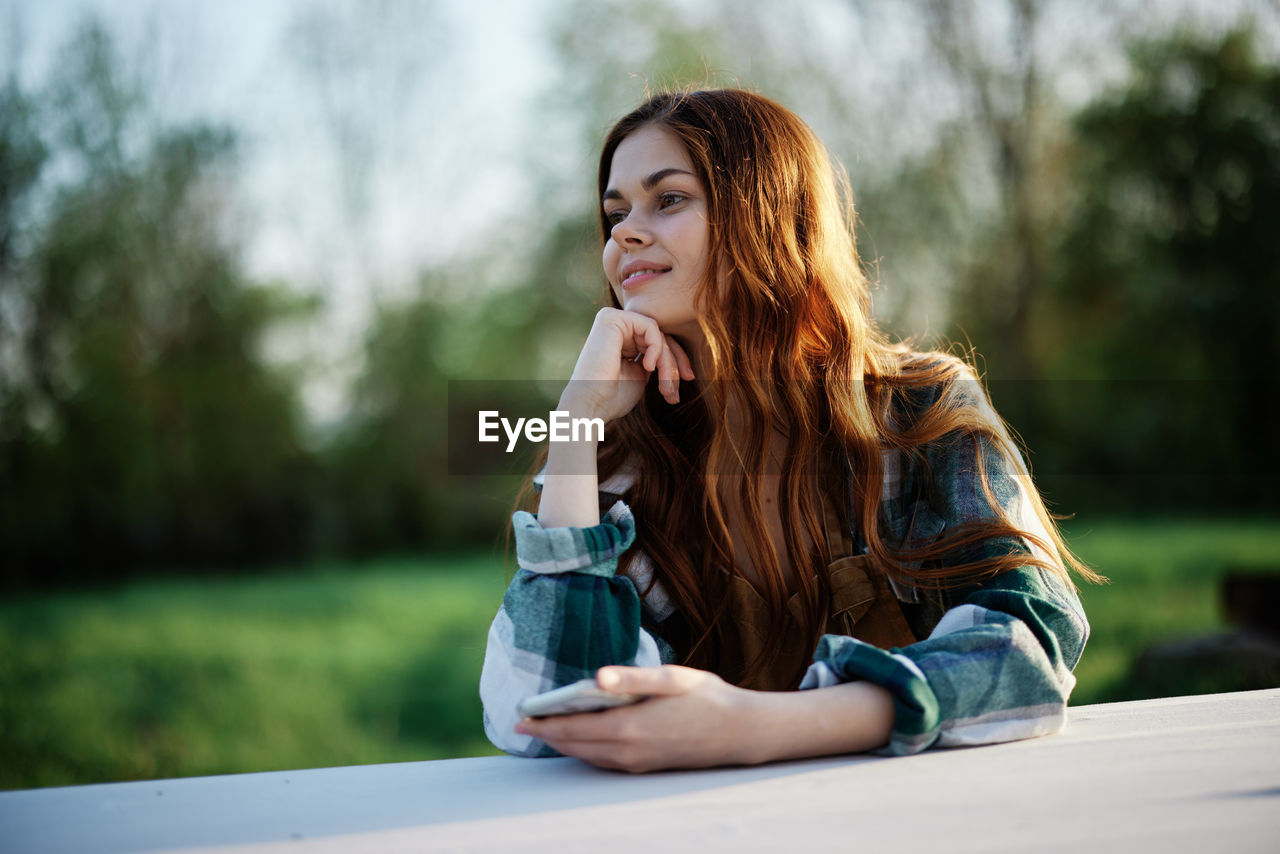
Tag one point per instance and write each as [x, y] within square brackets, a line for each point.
[1178, 774]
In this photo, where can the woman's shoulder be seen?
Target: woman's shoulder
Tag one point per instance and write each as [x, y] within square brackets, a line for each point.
[930, 383]
[927, 365]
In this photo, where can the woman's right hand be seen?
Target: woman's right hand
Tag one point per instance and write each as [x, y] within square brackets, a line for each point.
[620, 352]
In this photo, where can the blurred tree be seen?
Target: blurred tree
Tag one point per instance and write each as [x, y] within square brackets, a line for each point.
[370, 85]
[558, 285]
[22, 157]
[388, 461]
[142, 424]
[370, 72]
[962, 212]
[488, 326]
[1007, 103]
[1169, 275]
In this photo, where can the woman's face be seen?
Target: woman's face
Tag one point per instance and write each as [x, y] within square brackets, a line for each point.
[658, 249]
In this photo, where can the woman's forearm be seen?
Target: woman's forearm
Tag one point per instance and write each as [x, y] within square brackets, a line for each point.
[849, 718]
[570, 486]
[694, 719]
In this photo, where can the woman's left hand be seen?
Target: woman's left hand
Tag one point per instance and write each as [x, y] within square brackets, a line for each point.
[692, 719]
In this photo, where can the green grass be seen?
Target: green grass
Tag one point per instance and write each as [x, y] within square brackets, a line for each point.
[1164, 584]
[378, 662]
[353, 664]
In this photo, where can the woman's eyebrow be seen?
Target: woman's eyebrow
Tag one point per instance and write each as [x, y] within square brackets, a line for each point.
[649, 182]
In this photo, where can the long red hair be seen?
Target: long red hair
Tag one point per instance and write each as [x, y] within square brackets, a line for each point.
[785, 309]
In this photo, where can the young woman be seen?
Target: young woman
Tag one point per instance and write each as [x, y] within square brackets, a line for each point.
[782, 500]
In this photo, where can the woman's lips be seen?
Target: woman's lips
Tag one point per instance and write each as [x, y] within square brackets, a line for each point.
[639, 277]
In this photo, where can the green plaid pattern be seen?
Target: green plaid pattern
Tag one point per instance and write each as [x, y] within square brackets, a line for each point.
[997, 667]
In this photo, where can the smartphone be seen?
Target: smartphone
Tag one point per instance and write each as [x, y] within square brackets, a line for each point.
[581, 696]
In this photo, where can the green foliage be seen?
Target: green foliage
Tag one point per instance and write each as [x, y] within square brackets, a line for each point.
[331, 665]
[1157, 324]
[388, 467]
[649, 45]
[1181, 207]
[141, 419]
[392, 445]
[484, 320]
[1165, 584]
[22, 157]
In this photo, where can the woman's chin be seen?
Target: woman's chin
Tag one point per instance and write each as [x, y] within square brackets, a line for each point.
[640, 305]
[650, 309]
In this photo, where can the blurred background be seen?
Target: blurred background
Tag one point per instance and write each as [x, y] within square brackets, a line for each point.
[245, 247]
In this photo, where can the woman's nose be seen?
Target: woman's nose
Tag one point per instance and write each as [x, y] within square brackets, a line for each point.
[631, 232]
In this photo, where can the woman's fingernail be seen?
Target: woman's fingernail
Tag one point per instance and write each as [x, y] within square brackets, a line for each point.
[607, 679]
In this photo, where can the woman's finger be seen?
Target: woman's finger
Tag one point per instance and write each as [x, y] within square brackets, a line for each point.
[632, 366]
[683, 362]
[668, 374]
[603, 754]
[652, 681]
[599, 753]
[648, 340]
[584, 727]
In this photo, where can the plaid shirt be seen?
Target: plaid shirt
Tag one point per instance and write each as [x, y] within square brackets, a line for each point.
[995, 665]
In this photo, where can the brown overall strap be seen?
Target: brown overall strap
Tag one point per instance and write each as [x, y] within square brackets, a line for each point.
[862, 601]
[862, 605]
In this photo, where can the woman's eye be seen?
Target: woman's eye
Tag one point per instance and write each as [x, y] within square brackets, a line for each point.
[614, 217]
[666, 200]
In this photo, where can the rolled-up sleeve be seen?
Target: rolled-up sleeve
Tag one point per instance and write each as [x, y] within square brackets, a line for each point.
[565, 614]
[998, 664]
[996, 668]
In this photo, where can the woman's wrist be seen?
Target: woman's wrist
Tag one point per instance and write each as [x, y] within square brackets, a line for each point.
[854, 717]
[570, 486]
[579, 401]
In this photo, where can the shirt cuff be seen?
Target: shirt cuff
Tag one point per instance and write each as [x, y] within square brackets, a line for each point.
[592, 550]
[917, 720]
